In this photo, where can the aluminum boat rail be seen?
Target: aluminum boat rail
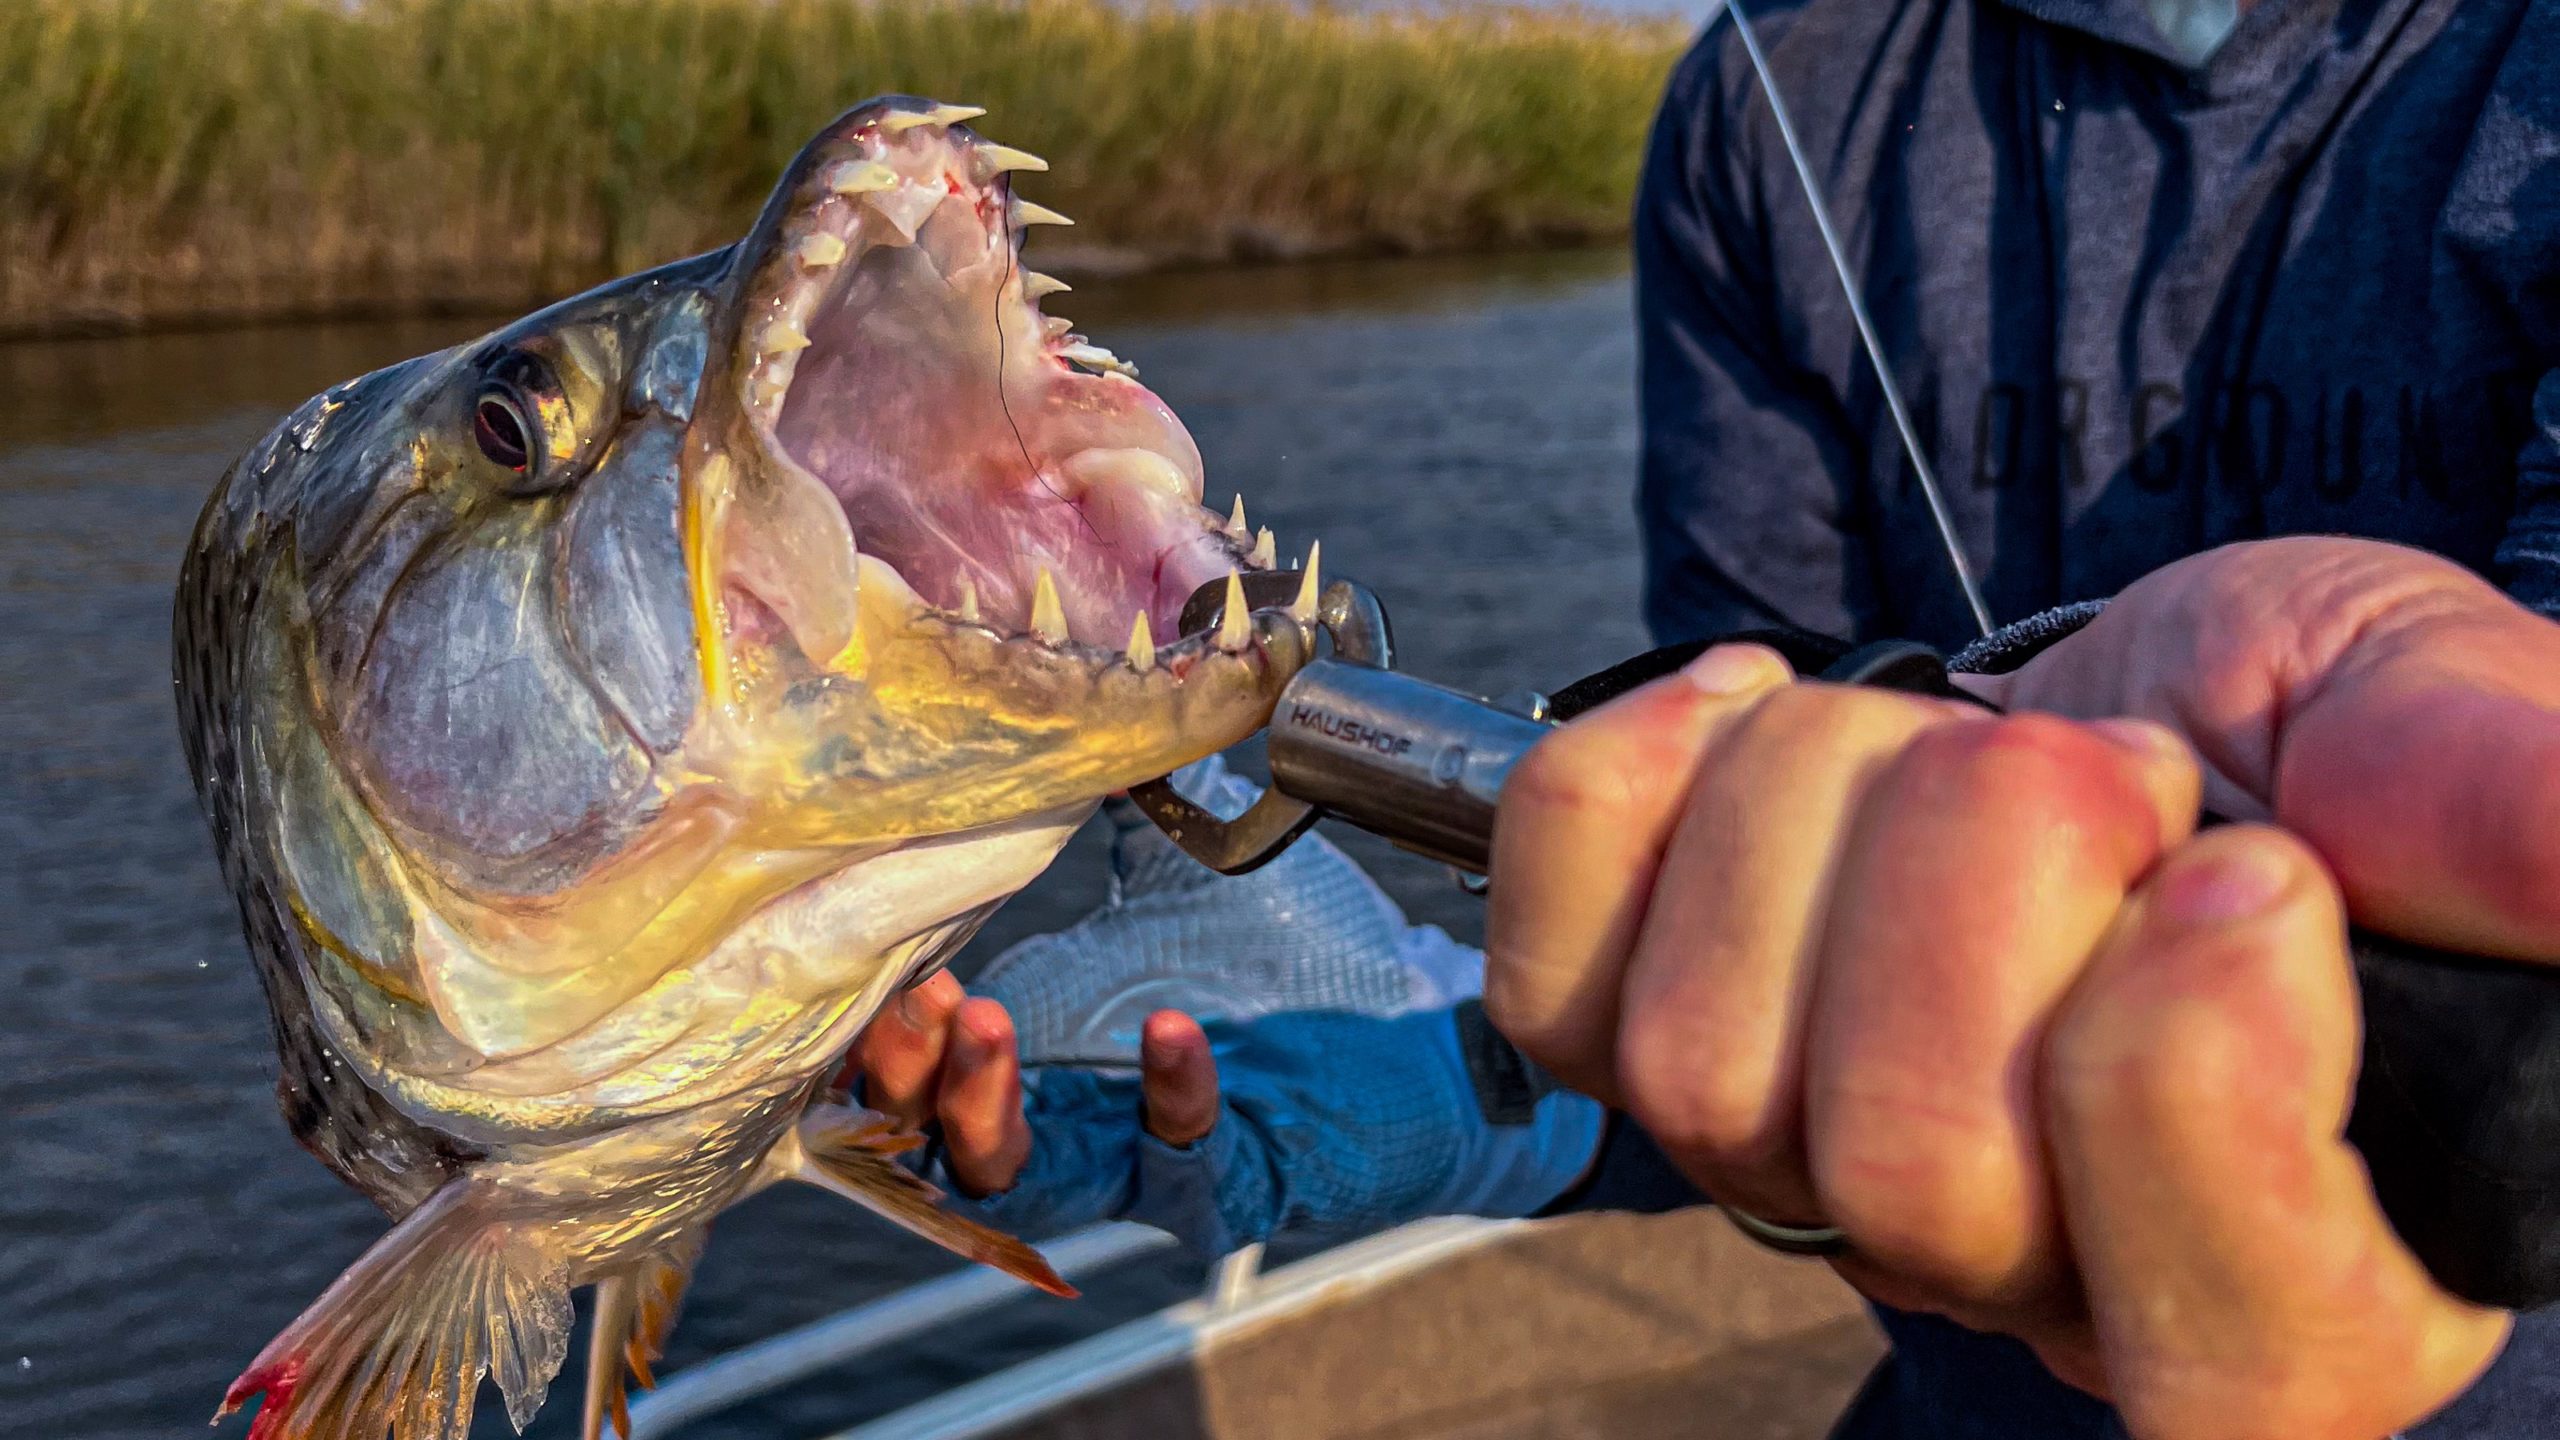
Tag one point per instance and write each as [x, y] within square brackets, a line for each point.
[1241, 1294]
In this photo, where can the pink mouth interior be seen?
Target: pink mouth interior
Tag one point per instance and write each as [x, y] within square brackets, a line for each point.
[970, 454]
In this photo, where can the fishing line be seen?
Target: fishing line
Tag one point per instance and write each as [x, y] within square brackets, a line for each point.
[1004, 402]
[1920, 467]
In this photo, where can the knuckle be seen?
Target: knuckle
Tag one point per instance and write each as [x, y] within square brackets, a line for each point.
[1721, 1112]
[1571, 773]
[2047, 769]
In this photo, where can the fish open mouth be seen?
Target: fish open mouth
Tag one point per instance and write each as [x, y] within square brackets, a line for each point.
[942, 452]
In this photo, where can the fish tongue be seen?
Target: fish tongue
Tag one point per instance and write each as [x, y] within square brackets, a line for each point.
[784, 540]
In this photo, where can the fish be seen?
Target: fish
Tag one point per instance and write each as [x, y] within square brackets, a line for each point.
[599, 721]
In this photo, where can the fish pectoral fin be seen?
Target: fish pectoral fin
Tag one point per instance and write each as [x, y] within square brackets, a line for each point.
[399, 1343]
[853, 1153]
[635, 1308]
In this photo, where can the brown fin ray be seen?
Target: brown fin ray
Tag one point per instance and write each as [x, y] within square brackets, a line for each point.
[398, 1344]
[635, 1308]
[852, 1153]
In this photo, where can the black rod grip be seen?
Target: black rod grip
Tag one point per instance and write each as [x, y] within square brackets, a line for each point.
[2457, 1113]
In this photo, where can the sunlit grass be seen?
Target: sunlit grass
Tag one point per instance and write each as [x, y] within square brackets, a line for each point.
[190, 159]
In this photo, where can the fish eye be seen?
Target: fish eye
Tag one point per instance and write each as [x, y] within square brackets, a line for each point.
[502, 431]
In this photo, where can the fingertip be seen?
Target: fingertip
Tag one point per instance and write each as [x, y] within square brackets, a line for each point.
[984, 1026]
[925, 1006]
[1178, 1078]
[2232, 875]
[2226, 975]
[1169, 1037]
[1737, 669]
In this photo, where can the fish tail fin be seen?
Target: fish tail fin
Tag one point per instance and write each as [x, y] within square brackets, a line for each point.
[398, 1345]
[852, 1153]
[635, 1308]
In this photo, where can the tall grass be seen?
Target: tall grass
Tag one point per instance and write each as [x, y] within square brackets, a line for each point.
[186, 160]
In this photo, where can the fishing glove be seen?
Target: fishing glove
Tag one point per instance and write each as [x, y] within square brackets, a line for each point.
[1354, 1093]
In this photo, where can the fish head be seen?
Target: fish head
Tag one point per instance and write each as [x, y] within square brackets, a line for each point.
[837, 522]
[521, 677]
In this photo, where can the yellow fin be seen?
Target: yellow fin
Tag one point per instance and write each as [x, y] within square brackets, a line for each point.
[635, 1308]
[852, 1153]
[400, 1342]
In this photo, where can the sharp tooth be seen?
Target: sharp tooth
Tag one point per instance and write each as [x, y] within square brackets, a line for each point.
[968, 599]
[782, 337]
[1025, 213]
[860, 177]
[1235, 521]
[1266, 551]
[1304, 607]
[900, 120]
[1099, 359]
[1036, 286]
[820, 251]
[1235, 626]
[1055, 326]
[1142, 644]
[1048, 617]
[997, 159]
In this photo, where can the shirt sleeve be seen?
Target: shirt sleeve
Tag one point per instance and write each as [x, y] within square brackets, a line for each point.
[1748, 467]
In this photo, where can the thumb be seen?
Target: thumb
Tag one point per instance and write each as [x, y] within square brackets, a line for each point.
[2386, 705]
[1178, 1078]
[2424, 767]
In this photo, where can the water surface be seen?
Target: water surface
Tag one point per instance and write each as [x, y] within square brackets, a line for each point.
[1459, 433]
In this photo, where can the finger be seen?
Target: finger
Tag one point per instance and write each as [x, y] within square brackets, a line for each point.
[1178, 1078]
[1576, 843]
[900, 1055]
[1710, 1045]
[2242, 1278]
[1990, 859]
[980, 1100]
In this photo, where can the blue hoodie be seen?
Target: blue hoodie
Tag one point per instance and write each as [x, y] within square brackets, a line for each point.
[2147, 294]
[2140, 309]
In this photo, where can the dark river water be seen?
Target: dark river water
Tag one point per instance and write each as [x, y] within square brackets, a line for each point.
[1460, 434]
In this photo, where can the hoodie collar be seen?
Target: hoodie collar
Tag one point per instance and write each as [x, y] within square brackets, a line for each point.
[2186, 33]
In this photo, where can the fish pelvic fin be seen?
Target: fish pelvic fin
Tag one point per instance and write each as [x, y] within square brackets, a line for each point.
[398, 1344]
[853, 1153]
[635, 1308]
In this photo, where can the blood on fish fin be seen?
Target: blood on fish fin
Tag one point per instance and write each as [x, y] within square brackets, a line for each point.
[635, 1308]
[399, 1343]
[851, 1152]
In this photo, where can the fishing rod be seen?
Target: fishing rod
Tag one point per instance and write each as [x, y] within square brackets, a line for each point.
[1921, 469]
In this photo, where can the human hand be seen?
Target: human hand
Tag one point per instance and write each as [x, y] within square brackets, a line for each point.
[1348, 1103]
[1970, 988]
[938, 1057]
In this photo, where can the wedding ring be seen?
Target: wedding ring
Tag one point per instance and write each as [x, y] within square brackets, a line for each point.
[1815, 1240]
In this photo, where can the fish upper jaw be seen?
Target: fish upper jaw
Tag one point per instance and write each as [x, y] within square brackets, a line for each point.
[902, 453]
